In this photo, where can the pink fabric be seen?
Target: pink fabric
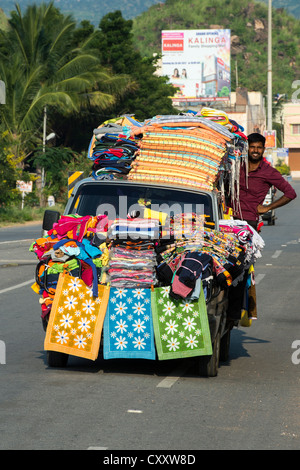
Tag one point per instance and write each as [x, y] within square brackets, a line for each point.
[76, 225]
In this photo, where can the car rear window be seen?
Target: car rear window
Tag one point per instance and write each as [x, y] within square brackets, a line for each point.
[120, 200]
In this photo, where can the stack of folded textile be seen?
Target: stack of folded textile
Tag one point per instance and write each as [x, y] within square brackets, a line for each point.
[112, 155]
[132, 257]
[134, 228]
[182, 150]
[112, 148]
[132, 264]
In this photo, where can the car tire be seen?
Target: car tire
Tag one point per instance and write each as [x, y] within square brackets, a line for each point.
[57, 359]
[208, 365]
[225, 346]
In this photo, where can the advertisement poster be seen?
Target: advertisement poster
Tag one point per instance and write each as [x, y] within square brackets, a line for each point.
[198, 63]
[270, 139]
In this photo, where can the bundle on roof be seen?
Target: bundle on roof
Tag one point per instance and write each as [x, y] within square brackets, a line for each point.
[201, 150]
[181, 150]
[112, 149]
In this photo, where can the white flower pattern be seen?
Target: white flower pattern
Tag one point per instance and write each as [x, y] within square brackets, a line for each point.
[180, 326]
[132, 325]
[76, 317]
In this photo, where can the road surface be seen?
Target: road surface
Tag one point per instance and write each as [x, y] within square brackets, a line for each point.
[253, 403]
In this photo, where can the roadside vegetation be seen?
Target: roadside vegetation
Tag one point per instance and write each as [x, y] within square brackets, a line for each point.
[64, 80]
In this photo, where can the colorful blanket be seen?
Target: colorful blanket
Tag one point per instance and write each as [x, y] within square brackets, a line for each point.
[180, 326]
[128, 327]
[76, 320]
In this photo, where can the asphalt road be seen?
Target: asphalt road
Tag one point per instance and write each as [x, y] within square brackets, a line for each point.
[252, 404]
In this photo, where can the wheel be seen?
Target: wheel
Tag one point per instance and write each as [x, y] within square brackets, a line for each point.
[208, 365]
[225, 346]
[57, 359]
[271, 220]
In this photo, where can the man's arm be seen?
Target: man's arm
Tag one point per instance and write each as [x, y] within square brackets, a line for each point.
[282, 201]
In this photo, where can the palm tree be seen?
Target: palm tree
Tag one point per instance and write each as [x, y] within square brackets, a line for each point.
[41, 66]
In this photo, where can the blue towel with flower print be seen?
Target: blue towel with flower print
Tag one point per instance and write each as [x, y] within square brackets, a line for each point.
[128, 327]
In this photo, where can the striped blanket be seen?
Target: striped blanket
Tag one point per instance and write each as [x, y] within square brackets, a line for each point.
[180, 152]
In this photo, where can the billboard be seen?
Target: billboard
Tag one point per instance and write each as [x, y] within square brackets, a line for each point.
[197, 62]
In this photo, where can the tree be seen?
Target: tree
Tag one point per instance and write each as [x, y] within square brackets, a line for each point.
[152, 94]
[9, 173]
[41, 67]
[45, 64]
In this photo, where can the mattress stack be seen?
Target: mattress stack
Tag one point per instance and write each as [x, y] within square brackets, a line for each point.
[181, 150]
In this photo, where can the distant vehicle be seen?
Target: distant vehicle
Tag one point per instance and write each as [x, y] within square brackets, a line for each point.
[270, 215]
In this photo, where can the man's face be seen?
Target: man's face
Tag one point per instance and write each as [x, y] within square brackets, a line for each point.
[255, 151]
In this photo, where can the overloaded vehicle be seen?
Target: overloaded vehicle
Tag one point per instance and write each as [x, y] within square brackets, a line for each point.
[143, 257]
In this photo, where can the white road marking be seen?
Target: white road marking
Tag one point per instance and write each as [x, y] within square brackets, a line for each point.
[258, 278]
[97, 448]
[277, 253]
[171, 379]
[17, 286]
[134, 411]
[18, 261]
[17, 241]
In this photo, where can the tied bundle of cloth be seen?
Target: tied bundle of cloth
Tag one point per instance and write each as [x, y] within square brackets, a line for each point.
[132, 256]
[181, 150]
[69, 247]
[113, 148]
[246, 235]
[237, 152]
[112, 156]
[134, 228]
[222, 255]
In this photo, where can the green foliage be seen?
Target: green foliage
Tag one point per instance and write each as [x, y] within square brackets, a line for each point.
[43, 64]
[239, 16]
[14, 213]
[9, 174]
[57, 162]
[282, 167]
[151, 94]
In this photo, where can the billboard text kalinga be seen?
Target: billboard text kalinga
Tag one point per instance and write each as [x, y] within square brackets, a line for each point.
[197, 63]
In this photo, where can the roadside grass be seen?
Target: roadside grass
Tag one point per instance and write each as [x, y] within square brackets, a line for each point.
[16, 215]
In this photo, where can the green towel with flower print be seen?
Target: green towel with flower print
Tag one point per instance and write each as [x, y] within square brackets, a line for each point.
[181, 327]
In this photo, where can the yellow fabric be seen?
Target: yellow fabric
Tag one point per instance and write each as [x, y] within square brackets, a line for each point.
[245, 320]
[35, 287]
[76, 318]
[150, 214]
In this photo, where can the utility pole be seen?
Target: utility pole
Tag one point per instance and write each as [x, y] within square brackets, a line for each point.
[269, 122]
[44, 143]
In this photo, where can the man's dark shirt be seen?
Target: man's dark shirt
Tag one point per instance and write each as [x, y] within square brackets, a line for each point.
[259, 183]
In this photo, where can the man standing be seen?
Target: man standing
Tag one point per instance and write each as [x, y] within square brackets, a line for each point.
[254, 187]
[253, 190]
